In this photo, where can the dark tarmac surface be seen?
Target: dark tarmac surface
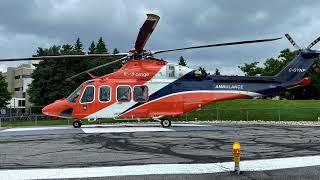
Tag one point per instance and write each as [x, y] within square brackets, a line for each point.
[68, 147]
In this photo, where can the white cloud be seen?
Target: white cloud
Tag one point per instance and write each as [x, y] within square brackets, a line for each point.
[25, 25]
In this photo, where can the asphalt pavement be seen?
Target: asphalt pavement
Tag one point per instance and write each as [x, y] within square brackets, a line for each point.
[141, 144]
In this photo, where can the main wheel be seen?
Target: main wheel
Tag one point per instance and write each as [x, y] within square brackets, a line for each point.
[165, 123]
[76, 124]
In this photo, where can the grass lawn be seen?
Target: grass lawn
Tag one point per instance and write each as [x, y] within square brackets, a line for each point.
[36, 123]
[259, 109]
[244, 109]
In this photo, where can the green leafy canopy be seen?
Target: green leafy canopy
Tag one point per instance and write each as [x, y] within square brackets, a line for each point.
[49, 78]
[5, 96]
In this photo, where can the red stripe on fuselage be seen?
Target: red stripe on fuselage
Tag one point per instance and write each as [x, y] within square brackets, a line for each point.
[179, 103]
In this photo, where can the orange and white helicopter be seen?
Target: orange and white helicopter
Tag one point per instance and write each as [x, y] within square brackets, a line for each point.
[146, 87]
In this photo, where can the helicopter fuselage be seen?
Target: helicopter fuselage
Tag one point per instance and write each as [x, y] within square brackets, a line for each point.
[154, 89]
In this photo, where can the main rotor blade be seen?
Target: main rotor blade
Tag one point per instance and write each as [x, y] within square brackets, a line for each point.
[216, 45]
[66, 56]
[98, 67]
[294, 44]
[145, 31]
[314, 43]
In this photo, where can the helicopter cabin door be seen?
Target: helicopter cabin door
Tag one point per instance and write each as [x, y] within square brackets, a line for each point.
[127, 96]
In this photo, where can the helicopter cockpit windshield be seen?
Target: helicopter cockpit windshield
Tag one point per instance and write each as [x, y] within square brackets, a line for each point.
[74, 96]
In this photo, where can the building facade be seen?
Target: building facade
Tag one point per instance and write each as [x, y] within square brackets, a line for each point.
[18, 79]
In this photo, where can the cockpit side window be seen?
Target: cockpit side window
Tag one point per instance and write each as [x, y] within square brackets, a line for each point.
[140, 93]
[124, 93]
[74, 96]
[88, 95]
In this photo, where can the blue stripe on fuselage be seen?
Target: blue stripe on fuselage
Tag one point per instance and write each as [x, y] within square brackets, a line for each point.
[189, 82]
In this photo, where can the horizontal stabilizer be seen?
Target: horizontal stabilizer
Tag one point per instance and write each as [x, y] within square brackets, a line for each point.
[304, 82]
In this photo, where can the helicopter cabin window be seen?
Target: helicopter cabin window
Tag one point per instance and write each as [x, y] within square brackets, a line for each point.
[88, 95]
[104, 93]
[140, 93]
[123, 93]
[74, 96]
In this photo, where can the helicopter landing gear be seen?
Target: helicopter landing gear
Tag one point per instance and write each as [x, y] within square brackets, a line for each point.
[77, 124]
[165, 122]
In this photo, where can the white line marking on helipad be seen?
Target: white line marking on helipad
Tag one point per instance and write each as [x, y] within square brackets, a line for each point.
[144, 125]
[114, 128]
[158, 169]
[124, 129]
[35, 129]
[189, 125]
[109, 128]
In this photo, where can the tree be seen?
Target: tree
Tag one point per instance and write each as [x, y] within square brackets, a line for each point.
[5, 95]
[182, 61]
[217, 72]
[101, 47]
[49, 78]
[66, 49]
[273, 66]
[92, 48]
[203, 71]
[251, 69]
[287, 56]
[115, 51]
[78, 47]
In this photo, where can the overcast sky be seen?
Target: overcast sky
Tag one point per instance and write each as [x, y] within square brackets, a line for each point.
[26, 25]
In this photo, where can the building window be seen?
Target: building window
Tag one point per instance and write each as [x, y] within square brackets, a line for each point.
[3, 111]
[124, 93]
[171, 71]
[140, 93]
[21, 103]
[16, 89]
[17, 77]
[88, 95]
[104, 93]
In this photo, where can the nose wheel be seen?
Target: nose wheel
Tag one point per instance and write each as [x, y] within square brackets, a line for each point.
[165, 123]
[77, 124]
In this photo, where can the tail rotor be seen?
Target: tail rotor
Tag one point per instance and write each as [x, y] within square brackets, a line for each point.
[294, 44]
[314, 43]
[297, 47]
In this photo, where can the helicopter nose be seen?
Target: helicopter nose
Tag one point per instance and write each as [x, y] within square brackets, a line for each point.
[50, 110]
[59, 108]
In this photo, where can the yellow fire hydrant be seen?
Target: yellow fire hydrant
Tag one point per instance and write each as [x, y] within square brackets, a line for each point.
[236, 156]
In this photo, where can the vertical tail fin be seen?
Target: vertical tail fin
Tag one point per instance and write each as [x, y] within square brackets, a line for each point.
[298, 67]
